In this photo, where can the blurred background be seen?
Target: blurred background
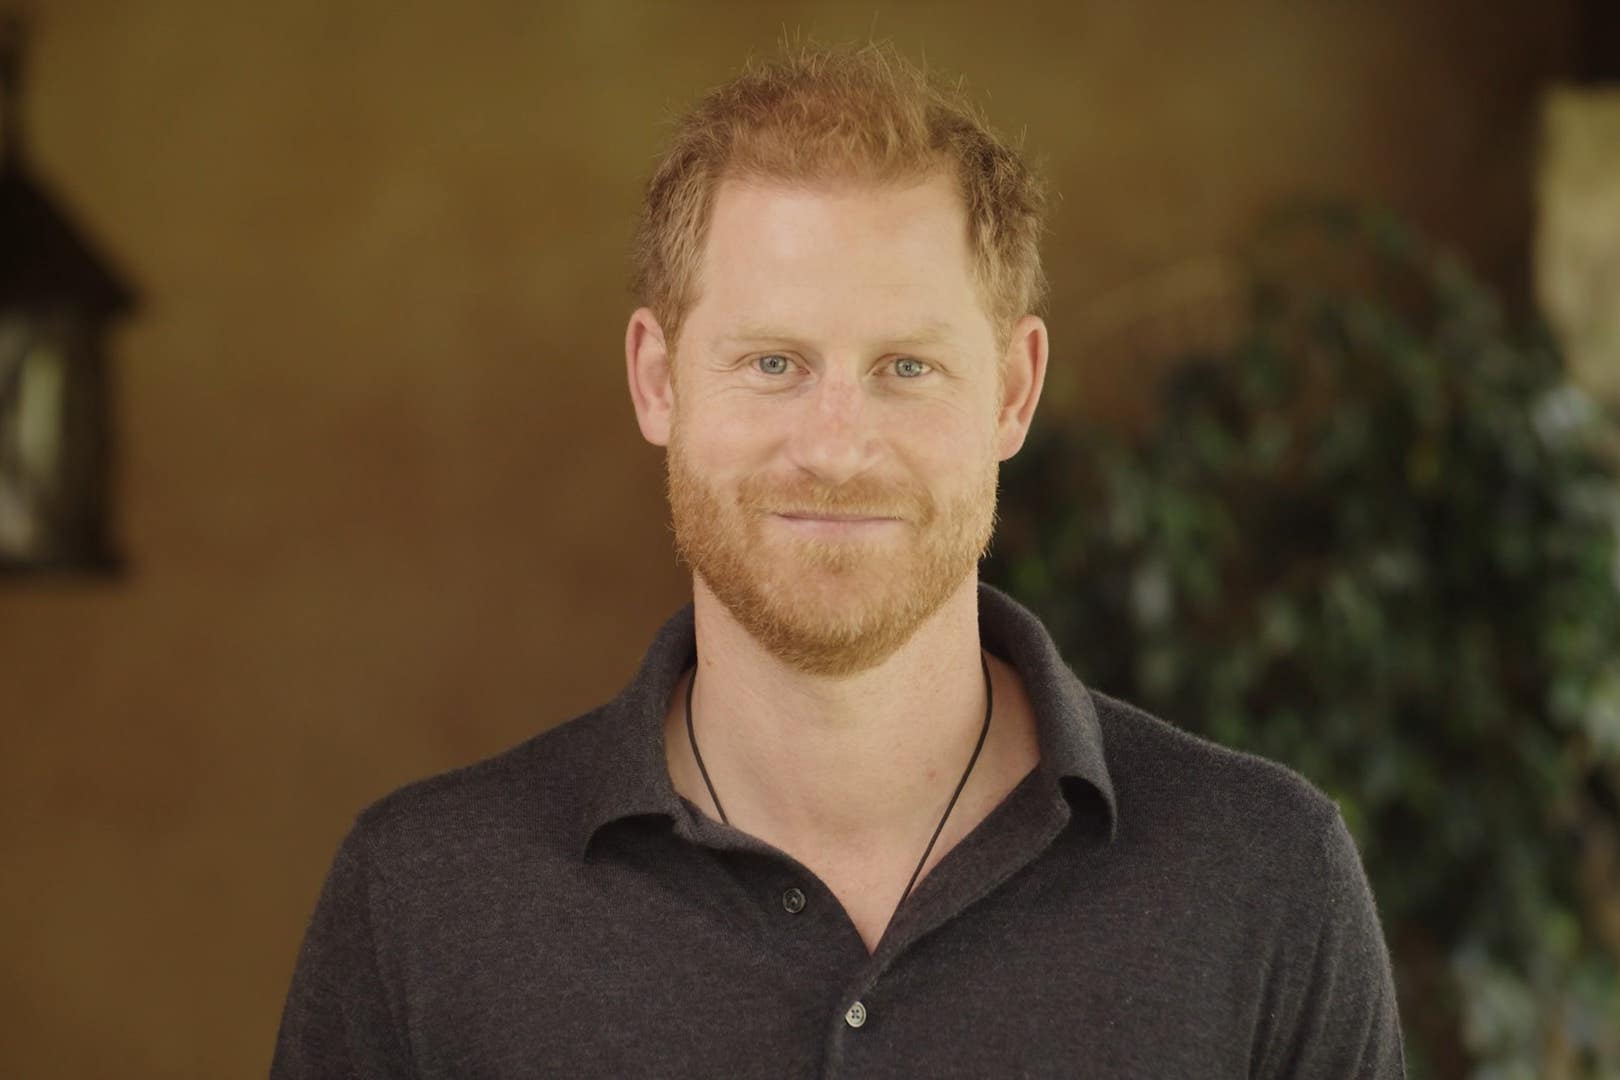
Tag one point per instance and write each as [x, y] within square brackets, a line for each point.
[347, 488]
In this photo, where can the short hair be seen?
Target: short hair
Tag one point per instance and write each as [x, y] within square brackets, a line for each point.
[821, 114]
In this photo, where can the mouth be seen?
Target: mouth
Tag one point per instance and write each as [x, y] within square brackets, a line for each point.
[835, 525]
[791, 515]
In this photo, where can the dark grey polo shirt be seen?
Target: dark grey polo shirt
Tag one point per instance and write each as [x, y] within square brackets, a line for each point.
[1143, 904]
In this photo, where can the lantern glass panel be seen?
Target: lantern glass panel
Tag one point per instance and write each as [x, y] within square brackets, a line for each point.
[33, 397]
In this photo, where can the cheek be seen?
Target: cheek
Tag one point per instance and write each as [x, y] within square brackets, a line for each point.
[721, 460]
[711, 457]
[702, 430]
[728, 437]
[710, 416]
[953, 442]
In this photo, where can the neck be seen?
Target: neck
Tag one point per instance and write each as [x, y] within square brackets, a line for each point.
[864, 763]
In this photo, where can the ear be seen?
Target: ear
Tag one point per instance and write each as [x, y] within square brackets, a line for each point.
[646, 361]
[1023, 373]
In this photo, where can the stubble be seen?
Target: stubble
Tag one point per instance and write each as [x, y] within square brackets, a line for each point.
[828, 606]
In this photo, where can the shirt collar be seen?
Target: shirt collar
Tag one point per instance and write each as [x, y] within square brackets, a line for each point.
[625, 774]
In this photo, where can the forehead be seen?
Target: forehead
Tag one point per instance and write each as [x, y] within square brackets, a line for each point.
[857, 258]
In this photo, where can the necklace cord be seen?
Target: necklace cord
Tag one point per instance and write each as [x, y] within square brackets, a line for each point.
[989, 708]
[689, 734]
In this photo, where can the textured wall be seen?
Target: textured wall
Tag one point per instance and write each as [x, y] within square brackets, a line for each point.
[384, 500]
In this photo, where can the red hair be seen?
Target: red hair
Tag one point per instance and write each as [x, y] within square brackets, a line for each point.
[835, 115]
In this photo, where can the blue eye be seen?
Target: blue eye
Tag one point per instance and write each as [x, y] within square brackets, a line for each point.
[774, 364]
[908, 368]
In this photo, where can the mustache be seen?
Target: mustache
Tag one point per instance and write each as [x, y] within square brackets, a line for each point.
[859, 497]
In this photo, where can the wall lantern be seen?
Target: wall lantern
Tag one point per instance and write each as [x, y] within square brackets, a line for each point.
[57, 302]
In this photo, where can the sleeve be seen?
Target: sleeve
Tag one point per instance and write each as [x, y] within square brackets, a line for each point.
[1339, 1019]
[341, 1018]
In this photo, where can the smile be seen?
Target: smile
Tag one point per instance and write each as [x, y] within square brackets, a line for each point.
[834, 523]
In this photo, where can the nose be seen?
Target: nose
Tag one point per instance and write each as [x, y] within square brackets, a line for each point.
[831, 439]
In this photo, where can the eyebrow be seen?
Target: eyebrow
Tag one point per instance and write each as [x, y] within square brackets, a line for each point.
[929, 333]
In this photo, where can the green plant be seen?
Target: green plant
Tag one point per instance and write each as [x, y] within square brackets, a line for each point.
[1375, 539]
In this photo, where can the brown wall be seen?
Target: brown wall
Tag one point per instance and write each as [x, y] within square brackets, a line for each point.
[383, 497]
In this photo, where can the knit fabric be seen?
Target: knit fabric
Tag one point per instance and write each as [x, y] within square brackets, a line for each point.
[1144, 904]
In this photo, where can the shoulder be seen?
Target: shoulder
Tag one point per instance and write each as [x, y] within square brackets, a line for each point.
[454, 821]
[1225, 846]
[1251, 861]
[1176, 790]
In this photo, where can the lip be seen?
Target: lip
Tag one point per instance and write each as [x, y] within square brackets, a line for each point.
[841, 519]
[834, 524]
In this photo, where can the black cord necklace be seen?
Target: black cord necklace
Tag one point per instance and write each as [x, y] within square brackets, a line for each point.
[989, 707]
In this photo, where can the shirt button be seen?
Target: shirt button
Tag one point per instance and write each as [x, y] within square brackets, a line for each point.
[793, 901]
[856, 1015]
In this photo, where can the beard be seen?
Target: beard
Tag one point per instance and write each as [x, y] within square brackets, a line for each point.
[830, 606]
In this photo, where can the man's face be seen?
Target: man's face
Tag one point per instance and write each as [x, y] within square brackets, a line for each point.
[837, 364]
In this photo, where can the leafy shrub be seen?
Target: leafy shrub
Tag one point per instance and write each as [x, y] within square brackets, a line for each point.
[1375, 539]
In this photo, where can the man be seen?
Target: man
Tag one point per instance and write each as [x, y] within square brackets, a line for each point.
[854, 815]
